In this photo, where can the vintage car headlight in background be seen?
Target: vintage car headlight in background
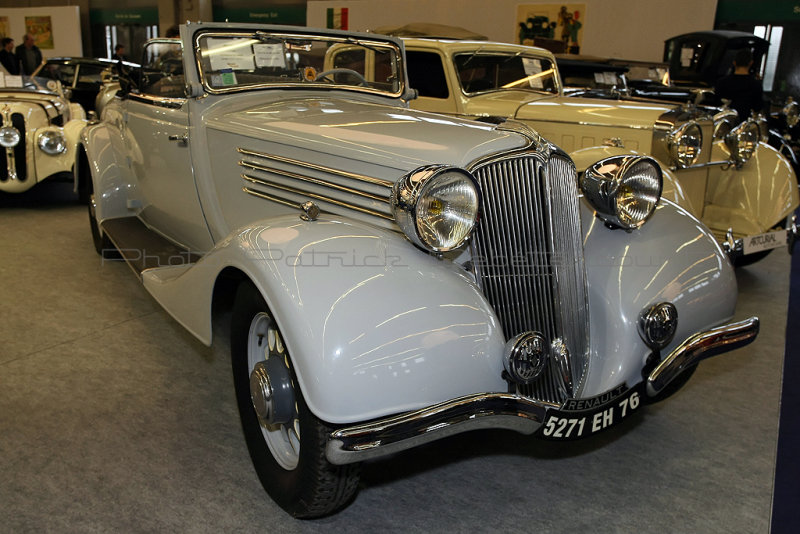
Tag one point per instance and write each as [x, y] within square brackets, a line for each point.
[792, 113]
[9, 137]
[724, 122]
[436, 207]
[743, 141]
[624, 190]
[763, 126]
[52, 142]
[685, 143]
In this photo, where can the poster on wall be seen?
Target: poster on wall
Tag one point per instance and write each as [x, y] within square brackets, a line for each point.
[5, 28]
[554, 26]
[41, 28]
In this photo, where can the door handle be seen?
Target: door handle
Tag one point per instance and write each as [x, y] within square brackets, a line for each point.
[182, 139]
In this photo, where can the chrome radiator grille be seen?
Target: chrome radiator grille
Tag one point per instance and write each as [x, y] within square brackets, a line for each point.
[528, 254]
[13, 162]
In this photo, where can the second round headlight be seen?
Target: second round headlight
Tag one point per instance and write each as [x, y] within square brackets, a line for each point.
[685, 144]
[437, 207]
[743, 141]
[624, 190]
[52, 142]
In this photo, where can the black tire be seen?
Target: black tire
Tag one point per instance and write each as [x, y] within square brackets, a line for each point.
[312, 486]
[102, 243]
[675, 385]
[750, 259]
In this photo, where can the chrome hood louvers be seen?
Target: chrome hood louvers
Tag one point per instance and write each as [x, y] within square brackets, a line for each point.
[528, 257]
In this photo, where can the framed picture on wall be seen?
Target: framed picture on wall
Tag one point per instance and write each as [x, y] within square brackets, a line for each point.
[553, 26]
[41, 28]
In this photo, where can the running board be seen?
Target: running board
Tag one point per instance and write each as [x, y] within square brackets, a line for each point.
[142, 248]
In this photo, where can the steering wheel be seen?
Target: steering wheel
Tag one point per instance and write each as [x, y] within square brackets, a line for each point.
[324, 75]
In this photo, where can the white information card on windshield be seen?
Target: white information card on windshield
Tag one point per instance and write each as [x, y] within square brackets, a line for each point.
[236, 54]
[269, 55]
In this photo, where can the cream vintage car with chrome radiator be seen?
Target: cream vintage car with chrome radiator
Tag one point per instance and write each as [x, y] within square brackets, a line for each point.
[39, 131]
[395, 276]
[742, 189]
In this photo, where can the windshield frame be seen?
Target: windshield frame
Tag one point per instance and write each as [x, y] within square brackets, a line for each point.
[369, 44]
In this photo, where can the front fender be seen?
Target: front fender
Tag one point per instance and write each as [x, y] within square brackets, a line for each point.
[112, 185]
[374, 326]
[673, 258]
[754, 198]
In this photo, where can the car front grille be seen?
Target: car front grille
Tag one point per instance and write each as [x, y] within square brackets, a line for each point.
[19, 162]
[528, 257]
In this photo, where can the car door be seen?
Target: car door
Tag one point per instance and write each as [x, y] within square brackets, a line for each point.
[155, 134]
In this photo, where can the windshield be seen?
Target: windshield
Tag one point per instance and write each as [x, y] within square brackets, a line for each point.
[234, 61]
[479, 72]
[28, 83]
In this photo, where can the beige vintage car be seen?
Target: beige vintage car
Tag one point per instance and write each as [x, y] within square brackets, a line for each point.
[39, 130]
[742, 189]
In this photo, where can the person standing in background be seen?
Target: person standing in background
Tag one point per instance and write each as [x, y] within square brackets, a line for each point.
[7, 57]
[741, 87]
[29, 55]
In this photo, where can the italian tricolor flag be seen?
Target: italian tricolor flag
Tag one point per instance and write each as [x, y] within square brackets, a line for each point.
[337, 18]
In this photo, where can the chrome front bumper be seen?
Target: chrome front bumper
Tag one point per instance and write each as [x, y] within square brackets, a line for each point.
[734, 248]
[509, 411]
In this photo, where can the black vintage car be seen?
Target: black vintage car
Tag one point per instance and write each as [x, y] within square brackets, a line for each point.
[81, 77]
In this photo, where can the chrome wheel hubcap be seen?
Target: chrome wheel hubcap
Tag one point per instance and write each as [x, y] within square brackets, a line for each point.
[272, 391]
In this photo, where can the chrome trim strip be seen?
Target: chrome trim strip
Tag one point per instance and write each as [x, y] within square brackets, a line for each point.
[288, 189]
[470, 412]
[267, 196]
[320, 168]
[172, 103]
[699, 347]
[317, 181]
[601, 124]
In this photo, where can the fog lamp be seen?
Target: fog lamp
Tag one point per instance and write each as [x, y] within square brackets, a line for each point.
[525, 357]
[657, 325]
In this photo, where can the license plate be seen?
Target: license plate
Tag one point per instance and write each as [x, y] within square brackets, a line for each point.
[757, 243]
[584, 417]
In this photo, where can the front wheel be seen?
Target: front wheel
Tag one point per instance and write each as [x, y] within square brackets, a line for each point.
[286, 441]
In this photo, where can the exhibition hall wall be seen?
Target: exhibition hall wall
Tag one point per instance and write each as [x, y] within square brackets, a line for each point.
[57, 30]
[630, 29]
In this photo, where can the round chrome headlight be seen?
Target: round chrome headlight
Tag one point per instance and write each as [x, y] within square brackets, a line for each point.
[624, 190]
[792, 113]
[724, 122]
[52, 142]
[436, 207]
[9, 137]
[743, 141]
[685, 144]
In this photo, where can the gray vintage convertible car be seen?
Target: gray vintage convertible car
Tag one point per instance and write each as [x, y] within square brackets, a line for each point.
[395, 276]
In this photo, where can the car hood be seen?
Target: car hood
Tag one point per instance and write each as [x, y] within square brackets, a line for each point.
[387, 136]
[500, 103]
[593, 111]
[50, 102]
